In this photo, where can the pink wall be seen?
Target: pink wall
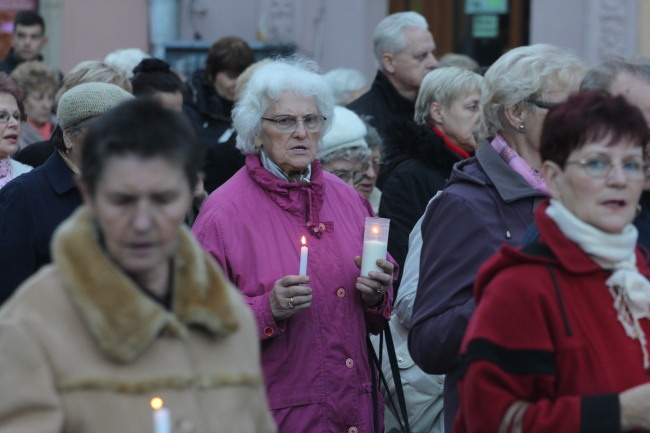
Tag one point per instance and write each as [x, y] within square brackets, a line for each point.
[335, 33]
[90, 29]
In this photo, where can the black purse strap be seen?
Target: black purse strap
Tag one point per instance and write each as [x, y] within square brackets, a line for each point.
[372, 360]
[397, 377]
[402, 417]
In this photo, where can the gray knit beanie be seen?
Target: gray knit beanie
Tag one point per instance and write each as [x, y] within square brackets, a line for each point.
[89, 100]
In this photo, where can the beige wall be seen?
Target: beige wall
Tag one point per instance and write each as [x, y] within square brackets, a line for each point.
[644, 29]
[90, 29]
[335, 33]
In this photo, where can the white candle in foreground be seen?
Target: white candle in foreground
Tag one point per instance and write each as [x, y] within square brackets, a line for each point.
[162, 422]
[303, 257]
[372, 250]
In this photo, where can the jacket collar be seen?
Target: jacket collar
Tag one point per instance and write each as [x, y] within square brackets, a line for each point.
[58, 174]
[508, 183]
[303, 199]
[122, 319]
[396, 102]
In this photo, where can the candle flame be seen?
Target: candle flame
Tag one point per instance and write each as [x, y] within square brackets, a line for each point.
[156, 403]
[375, 230]
[303, 240]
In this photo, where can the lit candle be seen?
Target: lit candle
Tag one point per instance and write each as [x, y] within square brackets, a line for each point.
[303, 257]
[375, 244]
[162, 422]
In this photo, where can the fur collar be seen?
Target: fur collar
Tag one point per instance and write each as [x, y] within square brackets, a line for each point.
[123, 320]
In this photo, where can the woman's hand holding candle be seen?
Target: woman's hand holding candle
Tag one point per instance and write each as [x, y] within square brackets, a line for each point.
[290, 295]
[376, 284]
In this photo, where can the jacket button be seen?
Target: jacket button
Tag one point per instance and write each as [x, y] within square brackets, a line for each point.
[349, 363]
[400, 358]
[353, 429]
[185, 426]
[205, 125]
[268, 331]
[340, 292]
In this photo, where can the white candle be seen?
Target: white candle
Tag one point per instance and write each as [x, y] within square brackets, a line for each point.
[303, 257]
[162, 422]
[372, 250]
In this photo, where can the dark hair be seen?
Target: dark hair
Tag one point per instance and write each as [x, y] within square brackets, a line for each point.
[145, 129]
[154, 75]
[231, 55]
[590, 115]
[29, 18]
[8, 85]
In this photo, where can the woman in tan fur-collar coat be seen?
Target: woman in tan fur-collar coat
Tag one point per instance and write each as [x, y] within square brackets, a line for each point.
[131, 308]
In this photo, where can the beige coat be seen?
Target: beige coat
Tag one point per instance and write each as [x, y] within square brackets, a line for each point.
[82, 349]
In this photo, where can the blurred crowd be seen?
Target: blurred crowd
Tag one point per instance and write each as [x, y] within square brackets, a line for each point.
[200, 238]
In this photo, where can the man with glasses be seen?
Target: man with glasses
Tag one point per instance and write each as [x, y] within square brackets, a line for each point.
[343, 151]
[27, 40]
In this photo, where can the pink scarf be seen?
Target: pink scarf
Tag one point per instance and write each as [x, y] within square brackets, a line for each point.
[6, 173]
[519, 164]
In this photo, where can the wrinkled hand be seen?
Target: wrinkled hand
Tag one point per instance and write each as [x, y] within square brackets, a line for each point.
[373, 287]
[635, 408]
[289, 295]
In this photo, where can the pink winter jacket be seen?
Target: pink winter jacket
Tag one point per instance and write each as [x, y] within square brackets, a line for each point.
[315, 363]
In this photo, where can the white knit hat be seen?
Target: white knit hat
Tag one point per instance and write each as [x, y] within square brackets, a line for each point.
[347, 131]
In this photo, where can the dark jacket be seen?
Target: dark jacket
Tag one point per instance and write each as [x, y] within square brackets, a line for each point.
[209, 114]
[485, 204]
[222, 161]
[560, 348]
[35, 154]
[387, 108]
[642, 221]
[421, 170]
[211, 117]
[9, 63]
[31, 207]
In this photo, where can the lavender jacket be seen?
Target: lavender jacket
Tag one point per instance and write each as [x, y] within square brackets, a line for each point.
[484, 204]
[316, 362]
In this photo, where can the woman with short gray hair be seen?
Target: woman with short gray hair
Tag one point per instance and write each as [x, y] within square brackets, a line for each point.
[313, 311]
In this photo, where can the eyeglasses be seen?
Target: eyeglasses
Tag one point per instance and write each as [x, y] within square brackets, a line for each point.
[600, 168]
[355, 176]
[288, 124]
[377, 165]
[542, 104]
[5, 117]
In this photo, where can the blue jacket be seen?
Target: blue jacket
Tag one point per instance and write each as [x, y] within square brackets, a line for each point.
[31, 208]
[485, 204]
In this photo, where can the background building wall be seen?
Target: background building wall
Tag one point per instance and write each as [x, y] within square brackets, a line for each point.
[336, 33]
[90, 29]
[593, 29]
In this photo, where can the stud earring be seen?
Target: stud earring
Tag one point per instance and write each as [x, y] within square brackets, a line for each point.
[521, 127]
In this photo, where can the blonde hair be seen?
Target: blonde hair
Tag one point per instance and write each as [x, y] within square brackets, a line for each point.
[444, 86]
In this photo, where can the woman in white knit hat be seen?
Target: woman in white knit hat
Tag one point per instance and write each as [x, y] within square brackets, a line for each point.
[344, 151]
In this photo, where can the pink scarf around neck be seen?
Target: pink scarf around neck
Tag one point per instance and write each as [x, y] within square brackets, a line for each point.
[519, 164]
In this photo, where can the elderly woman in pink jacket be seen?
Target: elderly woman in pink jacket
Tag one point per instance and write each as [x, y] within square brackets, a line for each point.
[312, 327]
